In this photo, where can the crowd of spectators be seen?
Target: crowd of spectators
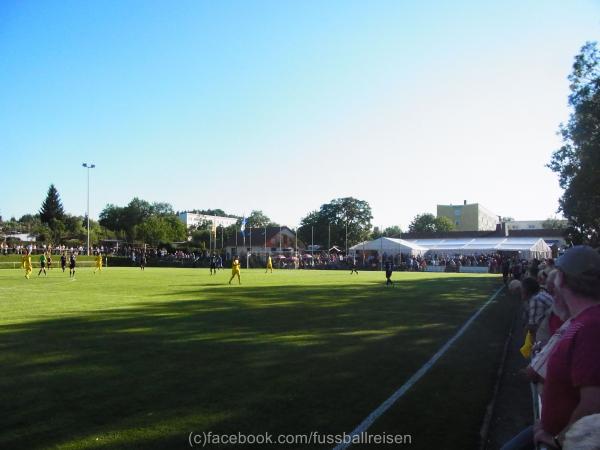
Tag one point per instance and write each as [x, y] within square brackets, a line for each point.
[561, 316]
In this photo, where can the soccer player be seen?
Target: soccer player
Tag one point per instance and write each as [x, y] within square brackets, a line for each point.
[43, 265]
[235, 270]
[72, 264]
[63, 261]
[269, 264]
[388, 273]
[353, 268]
[98, 262]
[49, 259]
[143, 261]
[26, 264]
[213, 265]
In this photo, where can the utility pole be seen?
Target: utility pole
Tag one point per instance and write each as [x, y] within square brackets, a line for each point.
[88, 167]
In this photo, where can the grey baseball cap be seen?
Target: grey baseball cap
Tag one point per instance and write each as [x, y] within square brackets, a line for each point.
[580, 261]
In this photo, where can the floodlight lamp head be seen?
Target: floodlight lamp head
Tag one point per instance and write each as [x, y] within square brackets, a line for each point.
[84, 165]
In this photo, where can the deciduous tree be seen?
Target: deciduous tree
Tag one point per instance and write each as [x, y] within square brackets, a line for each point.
[577, 162]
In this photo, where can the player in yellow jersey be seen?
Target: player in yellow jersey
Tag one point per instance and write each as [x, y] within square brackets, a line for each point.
[26, 264]
[235, 270]
[98, 262]
[269, 264]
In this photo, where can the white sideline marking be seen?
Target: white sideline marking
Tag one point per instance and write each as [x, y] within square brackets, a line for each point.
[365, 424]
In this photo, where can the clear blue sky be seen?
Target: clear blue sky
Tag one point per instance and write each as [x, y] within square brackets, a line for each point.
[283, 106]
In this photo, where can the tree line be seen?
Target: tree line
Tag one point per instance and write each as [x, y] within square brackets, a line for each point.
[341, 222]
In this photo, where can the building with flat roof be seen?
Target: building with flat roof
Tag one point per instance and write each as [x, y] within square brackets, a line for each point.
[193, 219]
[534, 224]
[469, 217]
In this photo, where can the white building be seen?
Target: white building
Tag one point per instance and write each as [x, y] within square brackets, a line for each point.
[531, 224]
[193, 220]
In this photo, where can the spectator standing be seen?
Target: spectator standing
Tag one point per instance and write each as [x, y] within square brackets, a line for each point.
[572, 388]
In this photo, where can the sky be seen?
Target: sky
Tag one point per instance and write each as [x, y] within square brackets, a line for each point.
[284, 106]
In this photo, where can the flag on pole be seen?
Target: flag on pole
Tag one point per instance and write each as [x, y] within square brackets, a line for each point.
[243, 227]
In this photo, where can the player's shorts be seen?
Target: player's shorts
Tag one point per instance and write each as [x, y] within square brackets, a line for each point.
[42, 265]
[71, 266]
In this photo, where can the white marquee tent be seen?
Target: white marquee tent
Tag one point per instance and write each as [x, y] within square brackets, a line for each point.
[527, 247]
[389, 246]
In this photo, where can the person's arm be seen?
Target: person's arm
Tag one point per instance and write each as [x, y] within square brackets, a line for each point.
[589, 403]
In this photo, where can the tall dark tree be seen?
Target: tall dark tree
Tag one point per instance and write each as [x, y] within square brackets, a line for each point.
[577, 162]
[258, 219]
[337, 220]
[393, 232]
[52, 208]
[428, 223]
[422, 223]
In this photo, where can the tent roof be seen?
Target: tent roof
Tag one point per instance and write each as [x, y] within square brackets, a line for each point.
[385, 243]
[484, 244]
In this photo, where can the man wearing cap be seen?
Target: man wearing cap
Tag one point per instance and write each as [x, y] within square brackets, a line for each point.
[572, 387]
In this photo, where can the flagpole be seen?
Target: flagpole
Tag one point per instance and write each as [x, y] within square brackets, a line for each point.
[346, 239]
[381, 250]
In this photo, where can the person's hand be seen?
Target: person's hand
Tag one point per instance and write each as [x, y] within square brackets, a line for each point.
[541, 436]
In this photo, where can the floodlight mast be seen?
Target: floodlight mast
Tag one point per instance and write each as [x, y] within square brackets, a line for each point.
[88, 167]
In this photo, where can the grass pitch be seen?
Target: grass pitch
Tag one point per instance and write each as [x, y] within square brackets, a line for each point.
[132, 359]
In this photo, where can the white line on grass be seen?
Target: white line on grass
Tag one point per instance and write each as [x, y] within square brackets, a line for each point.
[365, 424]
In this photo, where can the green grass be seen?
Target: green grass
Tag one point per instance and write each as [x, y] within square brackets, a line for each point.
[131, 359]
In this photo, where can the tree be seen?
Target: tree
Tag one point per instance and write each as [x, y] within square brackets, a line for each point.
[134, 214]
[393, 231]
[257, 219]
[428, 223]
[443, 224]
[111, 217]
[577, 162]
[336, 220]
[162, 209]
[153, 230]
[52, 208]
[422, 223]
[153, 223]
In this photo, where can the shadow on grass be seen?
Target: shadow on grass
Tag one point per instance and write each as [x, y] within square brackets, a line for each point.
[285, 359]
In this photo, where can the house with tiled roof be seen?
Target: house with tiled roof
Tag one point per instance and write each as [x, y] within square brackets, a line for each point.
[264, 241]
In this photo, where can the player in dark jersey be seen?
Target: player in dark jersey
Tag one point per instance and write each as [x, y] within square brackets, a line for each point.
[63, 261]
[389, 268]
[213, 265]
[42, 265]
[72, 264]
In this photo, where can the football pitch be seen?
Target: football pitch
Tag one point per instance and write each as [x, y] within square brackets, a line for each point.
[131, 359]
